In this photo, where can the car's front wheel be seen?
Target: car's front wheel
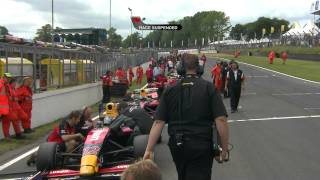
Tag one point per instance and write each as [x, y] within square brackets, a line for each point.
[47, 156]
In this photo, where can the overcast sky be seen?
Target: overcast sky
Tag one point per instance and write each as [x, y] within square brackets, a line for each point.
[24, 17]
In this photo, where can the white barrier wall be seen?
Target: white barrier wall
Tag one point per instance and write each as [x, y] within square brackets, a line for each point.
[52, 105]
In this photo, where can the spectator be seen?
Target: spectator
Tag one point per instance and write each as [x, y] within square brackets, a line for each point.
[142, 170]
[24, 96]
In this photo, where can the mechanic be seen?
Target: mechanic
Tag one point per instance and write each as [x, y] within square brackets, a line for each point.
[106, 84]
[142, 170]
[139, 73]
[271, 57]
[235, 78]
[191, 108]
[86, 123]
[139, 115]
[121, 74]
[131, 75]
[65, 134]
[11, 116]
[149, 73]
[24, 95]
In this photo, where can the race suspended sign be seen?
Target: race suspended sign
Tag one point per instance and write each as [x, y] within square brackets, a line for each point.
[140, 25]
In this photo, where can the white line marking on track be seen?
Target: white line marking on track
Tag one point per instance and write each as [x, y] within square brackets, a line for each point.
[275, 118]
[294, 94]
[22, 156]
[310, 108]
[265, 76]
[315, 82]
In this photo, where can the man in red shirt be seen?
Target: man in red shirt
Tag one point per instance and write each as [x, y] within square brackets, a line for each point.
[284, 57]
[120, 73]
[24, 95]
[65, 134]
[106, 84]
[139, 73]
[131, 75]
[162, 79]
[149, 74]
[216, 75]
[271, 57]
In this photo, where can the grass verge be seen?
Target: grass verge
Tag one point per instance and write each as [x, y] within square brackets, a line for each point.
[300, 68]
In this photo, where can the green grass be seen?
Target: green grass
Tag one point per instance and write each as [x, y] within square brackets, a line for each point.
[279, 49]
[137, 86]
[304, 69]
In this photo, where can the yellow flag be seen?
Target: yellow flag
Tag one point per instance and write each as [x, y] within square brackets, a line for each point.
[272, 30]
[263, 31]
[282, 28]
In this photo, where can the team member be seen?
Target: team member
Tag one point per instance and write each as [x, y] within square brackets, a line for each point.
[121, 74]
[10, 116]
[162, 79]
[271, 57]
[149, 74]
[216, 75]
[284, 57]
[190, 108]
[106, 85]
[21, 114]
[235, 78]
[24, 95]
[203, 60]
[86, 123]
[139, 73]
[131, 75]
[65, 134]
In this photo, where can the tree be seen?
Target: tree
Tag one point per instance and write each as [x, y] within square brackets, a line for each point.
[3, 30]
[205, 24]
[237, 31]
[44, 34]
[114, 40]
[136, 40]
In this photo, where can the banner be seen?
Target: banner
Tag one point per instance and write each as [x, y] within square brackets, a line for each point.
[272, 30]
[283, 28]
[263, 31]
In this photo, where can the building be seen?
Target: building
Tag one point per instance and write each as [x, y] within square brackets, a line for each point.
[85, 36]
[315, 10]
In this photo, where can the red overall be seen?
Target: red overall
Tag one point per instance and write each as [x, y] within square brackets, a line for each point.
[271, 57]
[131, 75]
[24, 94]
[139, 73]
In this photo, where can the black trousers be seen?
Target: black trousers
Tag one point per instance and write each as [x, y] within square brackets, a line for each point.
[194, 160]
[235, 93]
[106, 94]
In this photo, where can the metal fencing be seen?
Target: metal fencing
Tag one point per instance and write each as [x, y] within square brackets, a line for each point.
[58, 68]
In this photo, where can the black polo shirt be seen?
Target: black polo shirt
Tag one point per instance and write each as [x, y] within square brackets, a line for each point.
[201, 104]
[141, 117]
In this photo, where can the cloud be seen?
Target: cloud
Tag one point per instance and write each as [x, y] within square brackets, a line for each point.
[26, 16]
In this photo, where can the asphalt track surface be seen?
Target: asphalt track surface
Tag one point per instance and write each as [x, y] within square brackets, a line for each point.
[275, 133]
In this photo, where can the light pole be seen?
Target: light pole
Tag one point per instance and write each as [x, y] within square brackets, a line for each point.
[142, 31]
[110, 15]
[131, 24]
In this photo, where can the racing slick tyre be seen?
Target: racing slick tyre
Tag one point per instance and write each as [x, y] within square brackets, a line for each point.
[46, 156]
[140, 143]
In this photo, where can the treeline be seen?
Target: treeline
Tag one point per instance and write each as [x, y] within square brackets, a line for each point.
[262, 27]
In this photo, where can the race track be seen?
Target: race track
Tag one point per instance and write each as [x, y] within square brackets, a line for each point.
[275, 133]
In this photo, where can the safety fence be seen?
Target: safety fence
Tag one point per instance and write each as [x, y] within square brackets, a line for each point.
[53, 68]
